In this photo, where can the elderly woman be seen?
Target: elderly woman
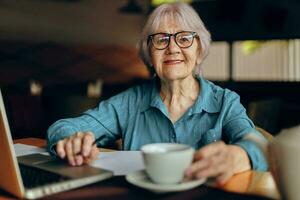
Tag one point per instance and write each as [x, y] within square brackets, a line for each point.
[178, 106]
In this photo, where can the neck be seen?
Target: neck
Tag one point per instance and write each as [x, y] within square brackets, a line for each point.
[178, 90]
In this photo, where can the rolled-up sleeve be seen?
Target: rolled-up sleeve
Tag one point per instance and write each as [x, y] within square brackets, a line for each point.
[102, 120]
[256, 156]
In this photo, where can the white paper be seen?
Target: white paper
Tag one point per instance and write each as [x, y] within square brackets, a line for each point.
[120, 162]
[24, 149]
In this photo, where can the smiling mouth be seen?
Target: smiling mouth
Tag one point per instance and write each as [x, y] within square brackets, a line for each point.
[172, 62]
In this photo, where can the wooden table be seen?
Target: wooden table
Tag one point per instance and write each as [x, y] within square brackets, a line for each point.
[246, 185]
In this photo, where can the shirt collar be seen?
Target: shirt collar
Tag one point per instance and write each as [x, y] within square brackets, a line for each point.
[154, 99]
[209, 99]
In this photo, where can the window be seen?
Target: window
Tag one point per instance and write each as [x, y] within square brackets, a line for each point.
[216, 64]
[268, 60]
[271, 60]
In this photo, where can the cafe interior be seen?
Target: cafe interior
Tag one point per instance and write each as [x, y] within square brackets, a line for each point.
[59, 58]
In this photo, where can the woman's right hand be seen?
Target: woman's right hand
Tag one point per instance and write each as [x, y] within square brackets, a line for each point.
[78, 149]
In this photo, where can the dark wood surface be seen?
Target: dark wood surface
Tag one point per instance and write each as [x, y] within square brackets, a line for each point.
[118, 188]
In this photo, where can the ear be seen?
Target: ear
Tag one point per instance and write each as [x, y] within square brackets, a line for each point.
[199, 60]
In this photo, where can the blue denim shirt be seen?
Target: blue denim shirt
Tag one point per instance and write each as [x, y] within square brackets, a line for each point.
[139, 117]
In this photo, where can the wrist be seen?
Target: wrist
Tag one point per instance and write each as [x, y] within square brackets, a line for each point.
[240, 159]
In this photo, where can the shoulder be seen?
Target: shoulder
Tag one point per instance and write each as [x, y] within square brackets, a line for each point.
[217, 92]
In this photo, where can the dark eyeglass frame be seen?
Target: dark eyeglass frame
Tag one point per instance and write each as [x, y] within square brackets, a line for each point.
[169, 35]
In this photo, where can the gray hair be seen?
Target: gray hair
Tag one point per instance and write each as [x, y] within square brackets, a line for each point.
[187, 17]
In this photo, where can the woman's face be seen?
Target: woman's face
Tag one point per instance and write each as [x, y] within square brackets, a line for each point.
[174, 63]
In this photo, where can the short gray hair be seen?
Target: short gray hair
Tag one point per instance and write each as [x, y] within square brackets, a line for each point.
[183, 14]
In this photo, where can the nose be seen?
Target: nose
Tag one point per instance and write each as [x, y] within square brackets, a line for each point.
[173, 47]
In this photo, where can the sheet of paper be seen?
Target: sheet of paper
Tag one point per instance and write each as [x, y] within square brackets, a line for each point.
[120, 162]
[23, 149]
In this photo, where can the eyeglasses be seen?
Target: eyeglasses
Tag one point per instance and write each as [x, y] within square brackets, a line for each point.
[160, 41]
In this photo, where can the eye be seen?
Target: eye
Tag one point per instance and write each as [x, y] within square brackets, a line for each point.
[162, 39]
[185, 38]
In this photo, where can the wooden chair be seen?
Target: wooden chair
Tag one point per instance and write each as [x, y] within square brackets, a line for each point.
[265, 133]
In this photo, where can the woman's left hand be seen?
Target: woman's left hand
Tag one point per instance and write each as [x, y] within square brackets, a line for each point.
[218, 160]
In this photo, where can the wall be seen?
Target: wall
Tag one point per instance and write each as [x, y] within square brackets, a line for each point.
[85, 21]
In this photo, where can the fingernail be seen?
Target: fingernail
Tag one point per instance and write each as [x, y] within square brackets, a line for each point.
[85, 154]
[188, 172]
[60, 155]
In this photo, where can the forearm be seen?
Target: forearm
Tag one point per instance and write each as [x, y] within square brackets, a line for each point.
[57, 131]
[66, 127]
[240, 159]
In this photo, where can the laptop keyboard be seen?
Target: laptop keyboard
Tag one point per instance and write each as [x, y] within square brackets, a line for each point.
[34, 177]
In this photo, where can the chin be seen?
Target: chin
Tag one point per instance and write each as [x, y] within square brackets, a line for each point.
[174, 77]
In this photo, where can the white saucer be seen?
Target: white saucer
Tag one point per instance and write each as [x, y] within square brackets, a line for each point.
[140, 179]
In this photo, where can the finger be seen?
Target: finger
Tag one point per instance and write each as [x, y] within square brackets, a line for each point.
[93, 156]
[60, 149]
[77, 143]
[79, 159]
[88, 140]
[187, 179]
[197, 166]
[210, 166]
[69, 152]
[221, 163]
[212, 171]
[94, 153]
[223, 178]
[210, 150]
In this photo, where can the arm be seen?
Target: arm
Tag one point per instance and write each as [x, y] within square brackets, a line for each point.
[240, 159]
[238, 127]
[75, 136]
[100, 121]
[73, 139]
[222, 160]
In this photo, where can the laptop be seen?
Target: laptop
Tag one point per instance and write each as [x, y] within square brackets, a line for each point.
[37, 175]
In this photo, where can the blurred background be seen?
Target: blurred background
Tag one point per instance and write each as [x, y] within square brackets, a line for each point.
[60, 57]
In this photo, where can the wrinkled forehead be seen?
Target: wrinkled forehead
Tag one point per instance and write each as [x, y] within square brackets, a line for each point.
[170, 19]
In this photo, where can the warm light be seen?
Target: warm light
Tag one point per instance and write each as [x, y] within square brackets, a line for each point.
[95, 89]
[251, 46]
[36, 88]
[159, 2]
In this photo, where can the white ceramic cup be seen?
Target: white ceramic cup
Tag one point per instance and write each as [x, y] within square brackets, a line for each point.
[284, 161]
[166, 163]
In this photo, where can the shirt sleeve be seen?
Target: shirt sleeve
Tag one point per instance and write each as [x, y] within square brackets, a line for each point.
[106, 119]
[237, 126]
